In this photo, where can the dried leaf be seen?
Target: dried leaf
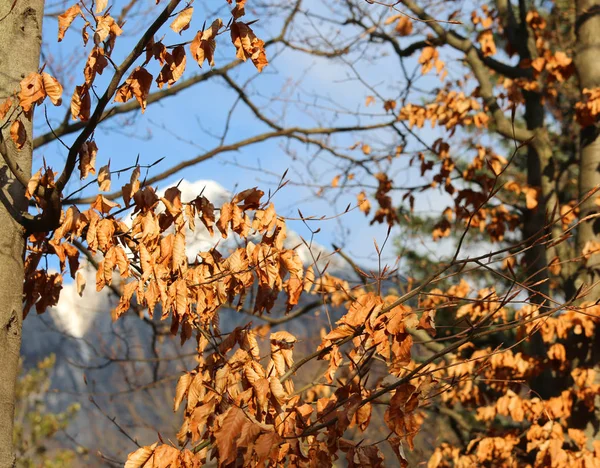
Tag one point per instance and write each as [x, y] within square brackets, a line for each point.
[139, 458]
[101, 5]
[104, 205]
[247, 45]
[81, 103]
[203, 45]
[5, 107]
[104, 178]
[182, 21]
[32, 91]
[18, 134]
[137, 85]
[182, 387]
[65, 20]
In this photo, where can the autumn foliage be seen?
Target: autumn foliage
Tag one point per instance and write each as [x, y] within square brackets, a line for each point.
[500, 344]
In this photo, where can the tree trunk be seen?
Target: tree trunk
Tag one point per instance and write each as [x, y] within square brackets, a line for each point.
[539, 156]
[588, 70]
[20, 42]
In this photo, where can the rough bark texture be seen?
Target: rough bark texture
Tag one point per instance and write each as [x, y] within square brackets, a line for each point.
[588, 70]
[539, 157]
[20, 41]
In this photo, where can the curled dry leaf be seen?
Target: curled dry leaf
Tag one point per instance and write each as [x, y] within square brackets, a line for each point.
[239, 9]
[33, 184]
[87, 158]
[32, 91]
[137, 85]
[5, 107]
[203, 45]
[182, 22]
[104, 178]
[18, 134]
[52, 88]
[81, 103]
[101, 5]
[104, 205]
[247, 45]
[404, 26]
[139, 458]
[65, 20]
[107, 26]
[173, 68]
[96, 63]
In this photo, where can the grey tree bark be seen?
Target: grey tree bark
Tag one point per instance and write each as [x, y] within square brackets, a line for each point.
[588, 70]
[20, 42]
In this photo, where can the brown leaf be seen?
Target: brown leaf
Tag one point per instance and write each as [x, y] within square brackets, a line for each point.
[65, 20]
[404, 26]
[87, 158]
[96, 63]
[364, 204]
[33, 184]
[5, 107]
[203, 45]
[173, 68]
[182, 22]
[182, 387]
[227, 435]
[104, 205]
[267, 446]
[137, 85]
[52, 88]
[101, 5]
[239, 9]
[247, 45]
[139, 458]
[106, 26]
[32, 91]
[18, 134]
[81, 103]
[104, 178]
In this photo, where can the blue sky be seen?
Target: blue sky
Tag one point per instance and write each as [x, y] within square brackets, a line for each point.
[183, 126]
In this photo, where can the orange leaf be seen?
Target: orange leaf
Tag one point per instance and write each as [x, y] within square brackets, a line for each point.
[137, 85]
[173, 68]
[96, 63]
[104, 178]
[139, 458]
[32, 91]
[203, 45]
[404, 26]
[87, 158]
[5, 107]
[65, 20]
[227, 435]
[248, 46]
[18, 134]
[104, 205]
[101, 5]
[81, 103]
[182, 22]
[182, 387]
[53, 88]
